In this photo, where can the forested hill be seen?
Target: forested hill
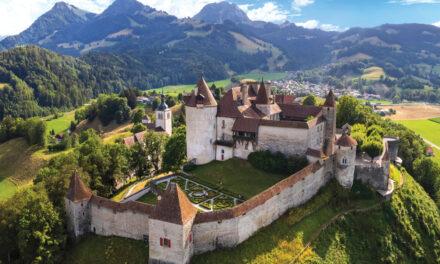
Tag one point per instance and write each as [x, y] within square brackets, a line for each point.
[33, 81]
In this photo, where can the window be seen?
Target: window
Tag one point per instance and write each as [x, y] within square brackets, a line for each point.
[223, 124]
[165, 242]
[223, 151]
[168, 115]
[145, 238]
[344, 161]
[159, 116]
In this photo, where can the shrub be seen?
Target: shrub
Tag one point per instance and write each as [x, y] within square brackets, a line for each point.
[277, 162]
[138, 128]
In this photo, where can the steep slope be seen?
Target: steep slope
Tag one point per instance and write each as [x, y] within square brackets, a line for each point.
[34, 80]
[61, 17]
[217, 13]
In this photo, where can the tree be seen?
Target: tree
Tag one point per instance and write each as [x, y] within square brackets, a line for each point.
[175, 150]
[138, 128]
[372, 147]
[131, 96]
[351, 111]
[310, 100]
[41, 233]
[427, 172]
[137, 116]
[154, 146]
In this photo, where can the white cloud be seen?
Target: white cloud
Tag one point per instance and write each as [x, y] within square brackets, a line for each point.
[269, 12]
[437, 24]
[315, 24]
[302, 3]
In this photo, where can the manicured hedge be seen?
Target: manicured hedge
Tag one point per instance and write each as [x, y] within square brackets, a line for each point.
[277, 162]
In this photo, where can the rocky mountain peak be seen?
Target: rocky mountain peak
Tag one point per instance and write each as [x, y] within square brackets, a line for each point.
[217, 13]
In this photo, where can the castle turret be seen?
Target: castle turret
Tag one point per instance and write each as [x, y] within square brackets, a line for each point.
[77, 207]
[329, 112]
[345, 158]
[170, 225]
[265, 105]
[164, 117]
[201, 113]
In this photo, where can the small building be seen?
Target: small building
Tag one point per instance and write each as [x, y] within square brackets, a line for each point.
[429, 151]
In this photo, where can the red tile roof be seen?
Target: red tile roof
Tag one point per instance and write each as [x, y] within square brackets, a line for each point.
[262, 96]
[77, 190]
[299, 112]
[315, 153]
[174, 206]
[284, 99]
[203, 97]
[246, 125]
[346, 141]
[136, 207]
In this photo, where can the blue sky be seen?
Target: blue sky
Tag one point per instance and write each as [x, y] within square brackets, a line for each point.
[17, 15]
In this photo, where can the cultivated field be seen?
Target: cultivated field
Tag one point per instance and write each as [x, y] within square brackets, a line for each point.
[174, 90]
[427, 129]
[373, 73]
[413, 111]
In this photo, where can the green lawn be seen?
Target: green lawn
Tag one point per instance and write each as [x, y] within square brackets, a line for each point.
[62, 123]
[237, 176]
[107, 250]
[7, 189]
[437, 120]
[427, 129]
[174, 90]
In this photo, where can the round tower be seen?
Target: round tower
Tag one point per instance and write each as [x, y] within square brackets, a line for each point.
[345, 158]
[164, 117]
[201, 114]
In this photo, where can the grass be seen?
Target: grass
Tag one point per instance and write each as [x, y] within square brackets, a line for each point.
[62, 123]
[174, 90]
[406, 230]
[107, 250]
[149, 198]
[427, 129]
[237, 176]
[437, 120]
[19, 164]
[373, 73]
[382, 101]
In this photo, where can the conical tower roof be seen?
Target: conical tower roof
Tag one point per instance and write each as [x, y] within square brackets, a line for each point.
[77, 189]
[174, 206]
[262, 96]
[204, 92]
[330, 99]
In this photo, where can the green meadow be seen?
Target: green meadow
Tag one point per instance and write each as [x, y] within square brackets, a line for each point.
[61, 123]
[174, 90]
[428, 129]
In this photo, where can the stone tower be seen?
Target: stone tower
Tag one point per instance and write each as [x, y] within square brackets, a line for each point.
[164, 117]
[201, 113]
[170, 225]
[329, 112]
[77, 207]
[345, 158]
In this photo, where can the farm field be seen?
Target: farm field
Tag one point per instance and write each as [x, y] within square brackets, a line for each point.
[237, 176]
[62, 123]
[427, 129]
[373, 73]
[174, 90]
[413, 111]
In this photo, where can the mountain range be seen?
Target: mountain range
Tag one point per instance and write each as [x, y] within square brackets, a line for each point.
[152, 48]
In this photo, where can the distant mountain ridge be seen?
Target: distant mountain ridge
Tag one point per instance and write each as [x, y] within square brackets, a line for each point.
[217, 13]
[220, 41]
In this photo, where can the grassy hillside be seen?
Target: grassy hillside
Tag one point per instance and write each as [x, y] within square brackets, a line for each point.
[19, 164]
[373, 73]
[405, 230]
[61, 123]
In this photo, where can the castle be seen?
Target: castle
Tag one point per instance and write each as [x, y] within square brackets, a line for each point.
[248, 118]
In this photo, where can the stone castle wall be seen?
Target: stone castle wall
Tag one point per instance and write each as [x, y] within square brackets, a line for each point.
[289, 141]
[108, 218]
[230, 227]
